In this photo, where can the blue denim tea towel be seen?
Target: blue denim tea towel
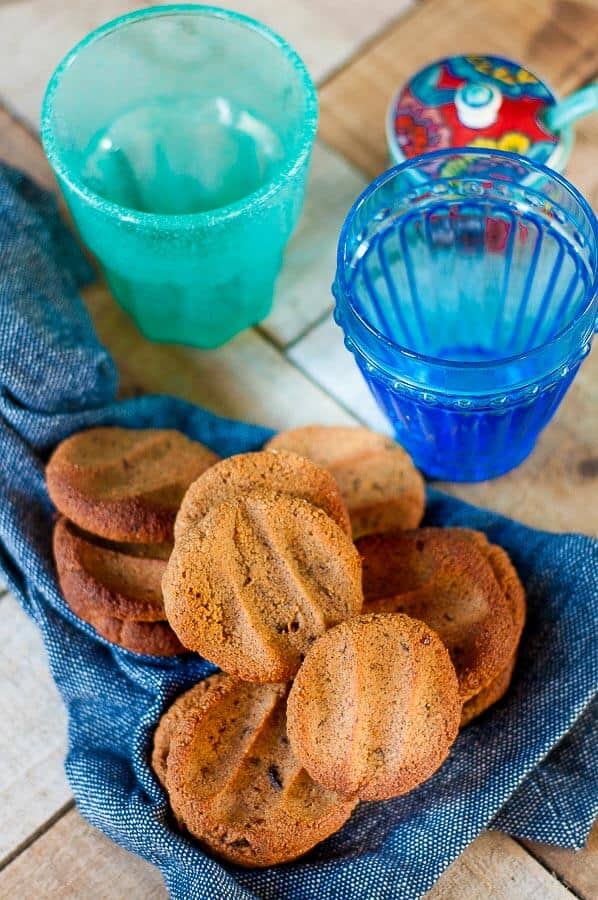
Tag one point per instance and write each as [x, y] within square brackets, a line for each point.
[527, 766]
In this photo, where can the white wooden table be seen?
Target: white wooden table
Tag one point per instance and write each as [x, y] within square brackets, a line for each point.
[291, 370]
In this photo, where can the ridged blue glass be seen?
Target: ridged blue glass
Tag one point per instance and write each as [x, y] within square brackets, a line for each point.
[469, 302]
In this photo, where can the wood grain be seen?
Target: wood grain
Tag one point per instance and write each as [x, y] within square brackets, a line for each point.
[246, 379]
[74, 860]
[32, 781]
[494, 867]
[35, 34]
[558, 39]
[577, 870]
[322, 355]
[303, 292]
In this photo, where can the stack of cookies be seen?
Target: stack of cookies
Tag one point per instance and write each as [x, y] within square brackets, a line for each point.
[353, 643]
[118, 491]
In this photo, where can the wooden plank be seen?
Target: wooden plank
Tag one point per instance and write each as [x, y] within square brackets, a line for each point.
[578, 870]
[246, 379]
[32, 782]
[303, 293]
[324, 357]
[557, 40]
[494, 867]
[582, 169]
[35, 34]
[74, 860]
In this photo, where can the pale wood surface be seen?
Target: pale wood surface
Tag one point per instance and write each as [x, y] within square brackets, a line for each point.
[496, 868]
[33, 786]
[73, 860]
[579, 871]
[323, 356]
[303, 290]
[35, 34]
[493, 868]
[251, 378]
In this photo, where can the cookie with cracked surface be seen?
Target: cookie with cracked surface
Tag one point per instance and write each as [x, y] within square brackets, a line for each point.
[381, 487]
[375, 707]
[125, 484]
[441, 577]
[287, 473]
[257, 580]
[116, 580]
[233, 780]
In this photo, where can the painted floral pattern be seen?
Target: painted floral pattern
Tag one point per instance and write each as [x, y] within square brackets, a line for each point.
[425, 116]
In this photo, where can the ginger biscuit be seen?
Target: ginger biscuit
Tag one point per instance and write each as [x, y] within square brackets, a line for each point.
[483, 700]
[147, 638]
[381, 487]
[233, 780]
[257, 580]
[375, 706]
[238, 475]
[442, 578]
[504, 572]
[125, 484]
[171, 720]
[125, 585]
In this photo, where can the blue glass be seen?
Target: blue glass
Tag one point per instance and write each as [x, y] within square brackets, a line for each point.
[469, 302]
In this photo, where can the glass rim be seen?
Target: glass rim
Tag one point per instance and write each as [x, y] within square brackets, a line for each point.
[436, 361]
[291, 163]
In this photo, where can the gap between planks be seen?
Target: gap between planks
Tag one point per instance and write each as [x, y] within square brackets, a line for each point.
[37, 834]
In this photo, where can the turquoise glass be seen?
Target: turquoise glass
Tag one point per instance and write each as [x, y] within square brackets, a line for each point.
[181, 138]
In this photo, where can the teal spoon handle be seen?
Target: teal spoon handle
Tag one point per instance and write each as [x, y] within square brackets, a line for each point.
[579, 104]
